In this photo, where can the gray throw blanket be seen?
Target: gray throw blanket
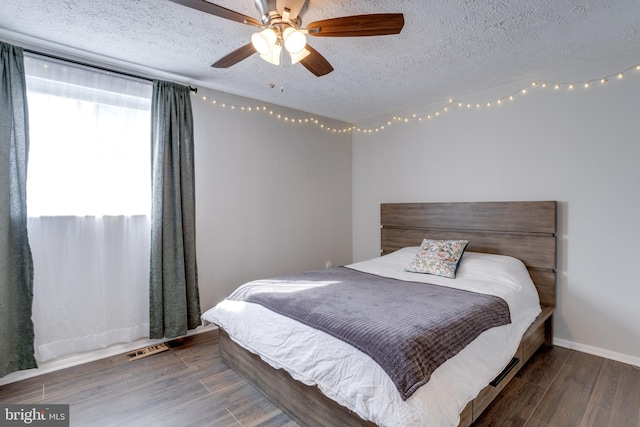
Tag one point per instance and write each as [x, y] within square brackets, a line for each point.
[408, 328]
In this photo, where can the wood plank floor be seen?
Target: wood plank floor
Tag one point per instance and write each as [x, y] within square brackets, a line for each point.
[190, 386]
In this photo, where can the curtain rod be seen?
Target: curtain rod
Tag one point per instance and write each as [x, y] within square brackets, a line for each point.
[47, 55]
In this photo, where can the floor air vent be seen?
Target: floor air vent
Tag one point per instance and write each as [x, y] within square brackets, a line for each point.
[147, 351]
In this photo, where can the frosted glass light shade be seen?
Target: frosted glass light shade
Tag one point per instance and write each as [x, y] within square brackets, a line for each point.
[273, 56]
[264, 40]
[294, 40]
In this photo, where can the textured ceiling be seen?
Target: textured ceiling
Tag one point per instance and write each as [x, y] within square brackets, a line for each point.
[446, 49]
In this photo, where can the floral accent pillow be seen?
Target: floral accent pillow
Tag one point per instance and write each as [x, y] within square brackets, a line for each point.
[438, 257]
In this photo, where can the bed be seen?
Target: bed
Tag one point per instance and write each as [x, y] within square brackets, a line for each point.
[522, 230]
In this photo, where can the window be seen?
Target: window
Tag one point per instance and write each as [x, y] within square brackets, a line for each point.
[89, 141]
[88, 202]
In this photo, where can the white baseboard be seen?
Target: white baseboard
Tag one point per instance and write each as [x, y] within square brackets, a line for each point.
[78, 359]
[596, 351]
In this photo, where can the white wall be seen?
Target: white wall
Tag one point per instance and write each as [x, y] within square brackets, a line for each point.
[272, 197]
[579, 147]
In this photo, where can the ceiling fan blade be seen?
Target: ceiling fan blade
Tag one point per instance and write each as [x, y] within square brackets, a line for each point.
[379, 24]
[216, 10]
[236, 56]
[316, 63]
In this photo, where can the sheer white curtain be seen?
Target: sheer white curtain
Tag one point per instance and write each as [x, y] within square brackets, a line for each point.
[88, 201]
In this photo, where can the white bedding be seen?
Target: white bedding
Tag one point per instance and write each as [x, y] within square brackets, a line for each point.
[354, 380]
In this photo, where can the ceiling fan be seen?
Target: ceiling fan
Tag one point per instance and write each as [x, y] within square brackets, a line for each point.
[280, 26]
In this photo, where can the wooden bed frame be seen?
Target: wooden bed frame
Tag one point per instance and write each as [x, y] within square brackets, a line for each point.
[524, 230]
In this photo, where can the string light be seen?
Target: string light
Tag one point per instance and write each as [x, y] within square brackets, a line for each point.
[569, 86]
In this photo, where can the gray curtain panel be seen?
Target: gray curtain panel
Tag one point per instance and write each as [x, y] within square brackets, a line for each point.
[16, 264]
[173, 294]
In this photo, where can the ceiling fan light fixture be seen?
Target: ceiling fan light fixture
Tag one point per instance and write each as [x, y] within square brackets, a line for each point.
[281, 26]
[264, 41]
[273, 56]
[294, 40]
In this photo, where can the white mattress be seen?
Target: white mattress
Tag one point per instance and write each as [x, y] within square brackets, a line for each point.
[354, 380]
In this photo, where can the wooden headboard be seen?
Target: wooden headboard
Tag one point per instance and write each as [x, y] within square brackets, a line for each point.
[523, 230]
